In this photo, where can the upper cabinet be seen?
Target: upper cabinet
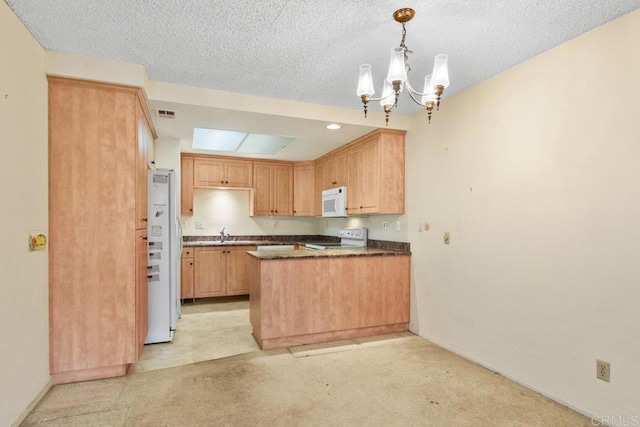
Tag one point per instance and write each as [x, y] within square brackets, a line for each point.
[186, 185]
[222, 173]
[372, 168]
[333, 170]
[144, 160]
[376, 174]
[304, 189]
[273, 189]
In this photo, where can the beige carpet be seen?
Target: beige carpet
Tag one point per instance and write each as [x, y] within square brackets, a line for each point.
[210, 329]
[403, 381]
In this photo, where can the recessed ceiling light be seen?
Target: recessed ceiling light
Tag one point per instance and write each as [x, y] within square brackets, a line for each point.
[333, 126]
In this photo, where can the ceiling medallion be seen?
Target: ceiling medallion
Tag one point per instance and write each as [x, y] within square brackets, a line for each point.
[398, 78]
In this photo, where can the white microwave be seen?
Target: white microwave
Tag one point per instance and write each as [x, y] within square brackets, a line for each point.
[334, 202]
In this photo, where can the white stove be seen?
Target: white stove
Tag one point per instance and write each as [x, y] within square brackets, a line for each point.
[349, 238]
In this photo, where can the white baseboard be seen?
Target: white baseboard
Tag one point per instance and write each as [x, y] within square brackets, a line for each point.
[511, 377]
[32, 405]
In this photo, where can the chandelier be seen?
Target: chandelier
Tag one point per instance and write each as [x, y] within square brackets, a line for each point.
[397, 77]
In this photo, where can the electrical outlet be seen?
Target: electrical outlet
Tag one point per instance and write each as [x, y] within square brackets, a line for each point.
[603, 370]
[446, 237]
[274, 224]
[199, 224]
[398, 225]
[384, 225]
[420, 229]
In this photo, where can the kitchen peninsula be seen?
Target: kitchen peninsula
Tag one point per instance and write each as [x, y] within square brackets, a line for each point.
[304, 297]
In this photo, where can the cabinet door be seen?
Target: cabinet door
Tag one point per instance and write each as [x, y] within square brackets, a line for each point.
[144, 143]
[239, 174]
[186, 278]
[238, 270]
[186, 186]
[141, 290]
[92, 274]
[304, 190]
[326, 175]
[262, 190]
[209, 272]
[354, 184]
[283, 190]
[208, 173]
[339, 170]
[370, 180]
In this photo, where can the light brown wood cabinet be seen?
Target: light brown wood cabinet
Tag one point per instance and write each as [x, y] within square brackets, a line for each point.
[221, 271]
[372, 167]
[222, 173]
[305, 300]
[273, 189]
[376, 174]
[333, 170]
[99, 136]
[187, 271]
[141, 289]
[186, 185]
[304, 189]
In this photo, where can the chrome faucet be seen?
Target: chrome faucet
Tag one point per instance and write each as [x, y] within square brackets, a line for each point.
[222, 236]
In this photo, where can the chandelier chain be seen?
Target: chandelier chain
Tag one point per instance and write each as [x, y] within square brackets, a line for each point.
[405, 48]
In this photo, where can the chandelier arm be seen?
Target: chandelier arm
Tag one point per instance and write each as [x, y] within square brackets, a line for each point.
[411, 90]
[414, 98]
[376, 99]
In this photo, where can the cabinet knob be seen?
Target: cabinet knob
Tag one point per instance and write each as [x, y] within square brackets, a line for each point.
[190, 209]
[334, 182]
[144, 238]
[145, 219]
[190, 263]
[360, 207]
[226, 182]
[276, 210]
[221, 182]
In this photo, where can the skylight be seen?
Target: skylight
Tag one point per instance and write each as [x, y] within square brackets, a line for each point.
[217, 140]
[240, 142]
[263, 144]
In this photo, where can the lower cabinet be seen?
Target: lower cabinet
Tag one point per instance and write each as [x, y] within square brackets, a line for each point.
[186, 274]
[219, 271]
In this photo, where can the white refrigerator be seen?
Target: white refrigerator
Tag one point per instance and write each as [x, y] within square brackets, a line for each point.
[164, 232]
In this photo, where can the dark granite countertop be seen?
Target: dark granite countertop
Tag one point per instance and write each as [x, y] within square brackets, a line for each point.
[205, 243]
[374, 247]
[270, 255]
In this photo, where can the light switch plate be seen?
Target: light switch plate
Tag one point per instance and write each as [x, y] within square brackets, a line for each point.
[199, 224]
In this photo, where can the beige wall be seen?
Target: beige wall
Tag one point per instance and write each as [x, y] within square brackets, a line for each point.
[535, 173]
[24, 358]
[230, 209]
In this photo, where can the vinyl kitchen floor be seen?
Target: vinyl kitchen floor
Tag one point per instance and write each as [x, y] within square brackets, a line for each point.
[209, 329]
[401, 381]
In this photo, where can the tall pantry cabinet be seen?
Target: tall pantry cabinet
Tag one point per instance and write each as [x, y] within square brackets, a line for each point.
[100, 140]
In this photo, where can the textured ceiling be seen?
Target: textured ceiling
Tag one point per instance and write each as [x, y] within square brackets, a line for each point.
[304, 50]
[310, 50]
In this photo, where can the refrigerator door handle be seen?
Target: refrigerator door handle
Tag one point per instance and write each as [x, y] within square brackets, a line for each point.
[180, 237]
